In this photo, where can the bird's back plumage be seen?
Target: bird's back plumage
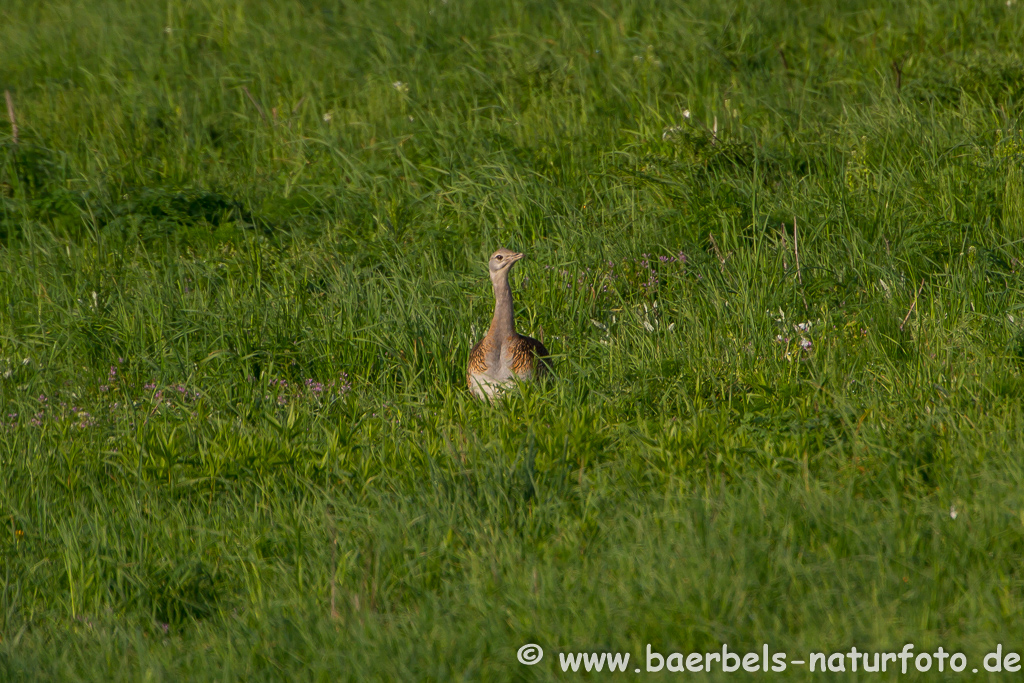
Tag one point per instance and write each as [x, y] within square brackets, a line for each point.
[529, 356]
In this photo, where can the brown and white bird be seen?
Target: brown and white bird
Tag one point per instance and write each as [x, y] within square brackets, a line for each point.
[503, 357]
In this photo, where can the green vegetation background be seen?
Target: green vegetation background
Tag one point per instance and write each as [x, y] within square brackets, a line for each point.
[243, 250]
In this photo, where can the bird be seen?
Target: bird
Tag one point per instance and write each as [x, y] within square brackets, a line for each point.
[504, 357]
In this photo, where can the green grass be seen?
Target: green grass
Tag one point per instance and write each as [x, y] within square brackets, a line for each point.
[242, 262]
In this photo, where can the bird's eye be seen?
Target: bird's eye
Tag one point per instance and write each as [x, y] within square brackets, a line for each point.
[498, 257]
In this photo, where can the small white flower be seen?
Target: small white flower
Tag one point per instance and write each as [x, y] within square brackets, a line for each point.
[167, 30]
[400, 86]
[649, 327]
[686, 113]
[952, 508]
[327, 116]
[806, 344]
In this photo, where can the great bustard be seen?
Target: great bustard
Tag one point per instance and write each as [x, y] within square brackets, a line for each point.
[504, 357]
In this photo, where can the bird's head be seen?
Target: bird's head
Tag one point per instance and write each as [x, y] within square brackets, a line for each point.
[502, 260]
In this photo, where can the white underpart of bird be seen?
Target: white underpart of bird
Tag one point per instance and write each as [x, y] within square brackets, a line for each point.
[503, 357]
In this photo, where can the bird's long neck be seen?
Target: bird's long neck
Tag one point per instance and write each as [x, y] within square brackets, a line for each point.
[503, 324]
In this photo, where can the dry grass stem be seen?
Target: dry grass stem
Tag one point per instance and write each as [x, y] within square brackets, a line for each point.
[11, 116]
[912, 305]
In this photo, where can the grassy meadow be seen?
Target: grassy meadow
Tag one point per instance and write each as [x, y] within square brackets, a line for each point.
[776, 248]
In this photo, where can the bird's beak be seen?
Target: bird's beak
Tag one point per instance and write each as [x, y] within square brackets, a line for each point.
[518, 257]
